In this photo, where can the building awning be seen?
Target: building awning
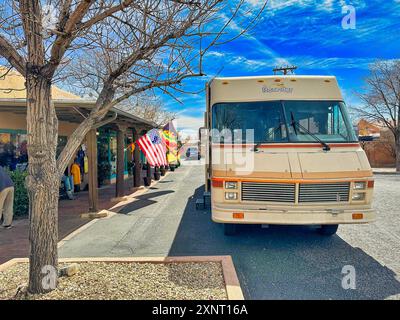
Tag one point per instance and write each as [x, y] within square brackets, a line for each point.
[75, 111]
[69, 107]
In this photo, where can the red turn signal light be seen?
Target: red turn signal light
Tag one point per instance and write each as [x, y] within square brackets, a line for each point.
[217, 183]
[370, 184]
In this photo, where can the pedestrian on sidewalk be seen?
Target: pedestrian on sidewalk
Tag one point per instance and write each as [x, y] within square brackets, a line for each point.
[6, 198]
[68, 185]
[76, 173]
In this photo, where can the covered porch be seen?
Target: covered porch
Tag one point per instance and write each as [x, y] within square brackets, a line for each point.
[111, 145]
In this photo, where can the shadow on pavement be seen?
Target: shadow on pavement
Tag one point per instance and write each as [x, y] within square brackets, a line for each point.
[284, 262]
[146, 199]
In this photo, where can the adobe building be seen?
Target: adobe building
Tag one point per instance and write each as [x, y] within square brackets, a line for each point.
[378, 144]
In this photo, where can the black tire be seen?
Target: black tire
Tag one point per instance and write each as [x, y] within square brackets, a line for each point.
[230, 229]
[172, 168]
[328, 230]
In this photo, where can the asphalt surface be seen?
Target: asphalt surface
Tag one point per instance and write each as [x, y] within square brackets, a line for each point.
[279, 262]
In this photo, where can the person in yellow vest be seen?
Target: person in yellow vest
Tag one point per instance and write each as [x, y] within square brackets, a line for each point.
[76, 174]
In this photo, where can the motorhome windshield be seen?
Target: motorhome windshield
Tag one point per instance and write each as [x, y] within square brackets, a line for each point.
[270, 122]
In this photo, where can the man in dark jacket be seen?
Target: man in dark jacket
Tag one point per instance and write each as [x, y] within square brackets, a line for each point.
[6, 198]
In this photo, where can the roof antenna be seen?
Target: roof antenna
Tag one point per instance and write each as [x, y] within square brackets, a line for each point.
[285, 69]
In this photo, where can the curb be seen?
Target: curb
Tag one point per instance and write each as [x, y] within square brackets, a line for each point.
[385, 173]
[232, 284]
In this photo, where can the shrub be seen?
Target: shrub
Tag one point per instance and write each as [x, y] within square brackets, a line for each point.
[21, 200]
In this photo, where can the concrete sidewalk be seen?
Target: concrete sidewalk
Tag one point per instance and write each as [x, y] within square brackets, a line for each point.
[384, 171]
[143, 227]
[14, 243]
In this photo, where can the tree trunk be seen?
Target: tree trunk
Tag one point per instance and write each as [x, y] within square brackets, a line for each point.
[42, 184]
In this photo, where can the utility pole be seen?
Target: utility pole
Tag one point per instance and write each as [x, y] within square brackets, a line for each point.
[285, 69]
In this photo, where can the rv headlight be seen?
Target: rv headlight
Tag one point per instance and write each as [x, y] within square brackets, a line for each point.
[358, 196]
[230, 185]
[359, 185]
[230, 195]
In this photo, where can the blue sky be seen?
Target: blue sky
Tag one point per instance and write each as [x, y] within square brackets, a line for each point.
[308, 34]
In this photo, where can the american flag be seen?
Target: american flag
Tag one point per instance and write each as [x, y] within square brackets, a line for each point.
[153, 148]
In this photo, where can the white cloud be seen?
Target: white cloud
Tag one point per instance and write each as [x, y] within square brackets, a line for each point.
[325, 5]
[308, 62]
[257, 3]
[188, 125]
[257, 64]
[215, 54]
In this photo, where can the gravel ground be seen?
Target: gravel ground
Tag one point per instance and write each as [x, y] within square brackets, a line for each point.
[132, 281]
[380, 239]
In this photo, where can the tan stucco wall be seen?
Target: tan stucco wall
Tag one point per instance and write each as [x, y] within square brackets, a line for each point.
[16, 81]
[18, 122]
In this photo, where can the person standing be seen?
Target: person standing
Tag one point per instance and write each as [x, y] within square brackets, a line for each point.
[6, 198]
[68, 183]
[76, 173]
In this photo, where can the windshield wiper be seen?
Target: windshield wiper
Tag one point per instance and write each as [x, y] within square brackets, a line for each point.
[326, 147]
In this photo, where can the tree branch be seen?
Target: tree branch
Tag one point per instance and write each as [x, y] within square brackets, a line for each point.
[66, 36]
[12, 55]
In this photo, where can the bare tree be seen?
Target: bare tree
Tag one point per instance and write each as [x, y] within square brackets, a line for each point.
[150, 108]
[381, 99]
[134, 46]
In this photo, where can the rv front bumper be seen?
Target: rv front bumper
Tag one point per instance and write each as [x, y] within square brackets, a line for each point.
[292, 217]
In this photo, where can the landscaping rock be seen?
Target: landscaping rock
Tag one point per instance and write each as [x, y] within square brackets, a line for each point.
[69, 270]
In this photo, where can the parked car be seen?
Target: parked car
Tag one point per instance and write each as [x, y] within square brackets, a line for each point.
[193, 153]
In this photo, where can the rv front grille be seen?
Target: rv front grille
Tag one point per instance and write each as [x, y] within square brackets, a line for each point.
[273, 192]
[324, 192]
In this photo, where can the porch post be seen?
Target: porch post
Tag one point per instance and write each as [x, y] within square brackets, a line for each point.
[136, 158]
[91, 138]
[120, 192]
[148, 173]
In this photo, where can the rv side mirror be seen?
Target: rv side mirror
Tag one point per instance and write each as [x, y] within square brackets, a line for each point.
[365, 138]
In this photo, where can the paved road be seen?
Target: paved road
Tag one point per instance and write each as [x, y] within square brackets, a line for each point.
[275, 263]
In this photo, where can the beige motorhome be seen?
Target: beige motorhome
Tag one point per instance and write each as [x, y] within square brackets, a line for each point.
[282, 150]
